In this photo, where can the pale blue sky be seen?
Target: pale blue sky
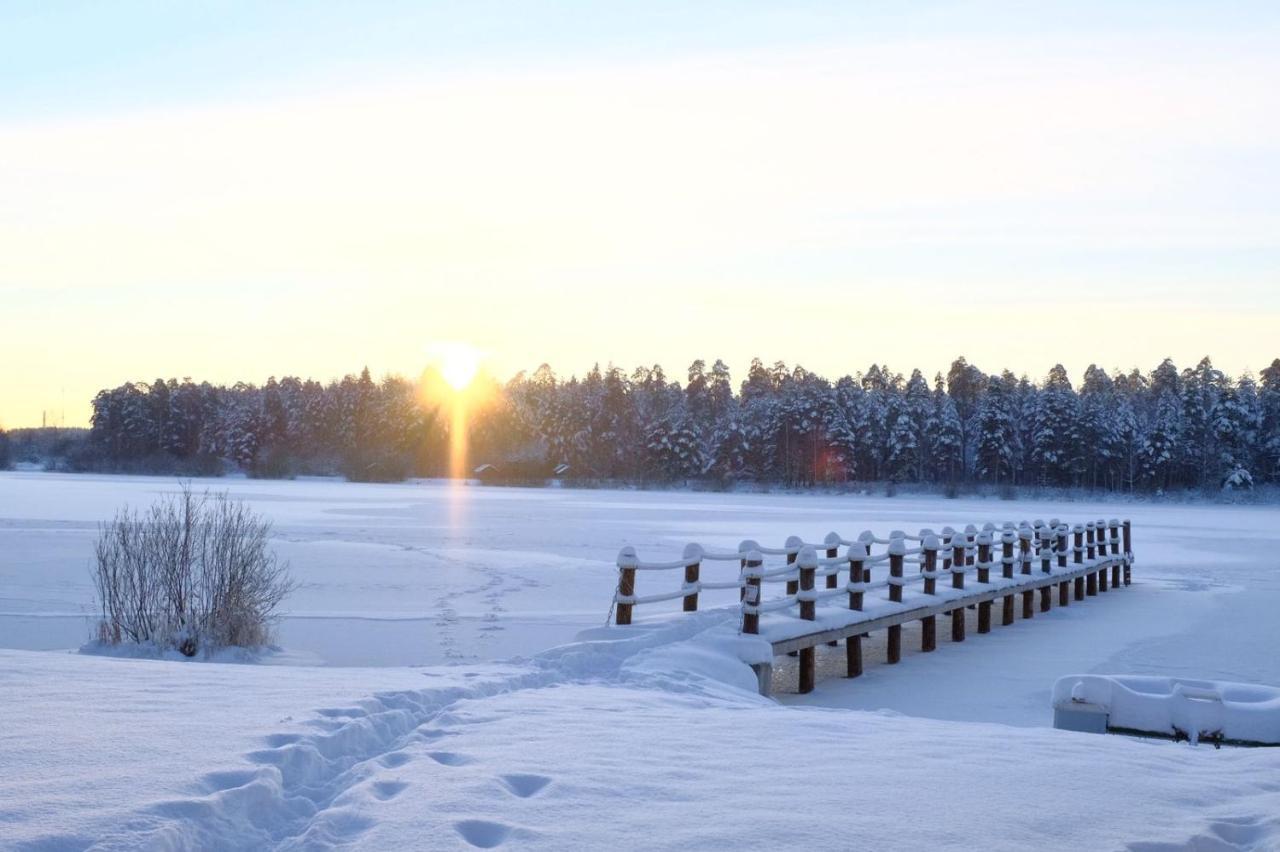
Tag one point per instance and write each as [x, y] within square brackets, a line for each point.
[234, 190]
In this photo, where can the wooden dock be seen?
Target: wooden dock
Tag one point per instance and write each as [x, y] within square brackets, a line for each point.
[1033, 561]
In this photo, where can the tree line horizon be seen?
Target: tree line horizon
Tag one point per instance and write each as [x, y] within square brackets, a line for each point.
[1169, 428]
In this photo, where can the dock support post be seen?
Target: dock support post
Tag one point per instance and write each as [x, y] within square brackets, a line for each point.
[1064, 588]
[1006, 569]
[833, 549]
[1128, 551]
[1091, 579]
[984, 576]
[627, 562]
[751, 596]
[897, 547]
[959, 544]
[1029, 596]
[1114, 526]
[929, 624]
[808, 560]
[693, 564]
[1046, 567]
[853, 644]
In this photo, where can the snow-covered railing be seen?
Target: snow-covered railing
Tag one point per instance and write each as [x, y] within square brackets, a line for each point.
[861, 599]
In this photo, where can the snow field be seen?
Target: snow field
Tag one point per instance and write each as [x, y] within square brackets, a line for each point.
[652, 740]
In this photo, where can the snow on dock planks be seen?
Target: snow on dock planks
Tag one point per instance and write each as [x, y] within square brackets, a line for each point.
[1083, 561]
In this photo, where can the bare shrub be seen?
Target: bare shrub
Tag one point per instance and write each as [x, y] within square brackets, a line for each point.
[191, 572]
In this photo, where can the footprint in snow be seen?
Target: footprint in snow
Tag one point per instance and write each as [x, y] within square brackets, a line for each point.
[482, 833]
[384, 790]
[524, 786]
[449, 758]
[394, 759]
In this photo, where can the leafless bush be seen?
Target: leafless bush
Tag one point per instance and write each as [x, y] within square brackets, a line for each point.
[191, 572]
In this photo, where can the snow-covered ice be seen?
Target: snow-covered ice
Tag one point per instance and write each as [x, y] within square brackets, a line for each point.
[649, 737]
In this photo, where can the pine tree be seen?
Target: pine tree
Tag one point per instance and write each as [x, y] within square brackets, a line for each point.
[996, 447]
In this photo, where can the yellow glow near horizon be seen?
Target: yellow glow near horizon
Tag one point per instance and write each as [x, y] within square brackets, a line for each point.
[724, 201]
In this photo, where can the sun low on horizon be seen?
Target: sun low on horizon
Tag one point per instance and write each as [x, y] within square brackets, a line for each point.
[458, 362]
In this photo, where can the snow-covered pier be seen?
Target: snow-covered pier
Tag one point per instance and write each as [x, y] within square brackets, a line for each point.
[1079, 561]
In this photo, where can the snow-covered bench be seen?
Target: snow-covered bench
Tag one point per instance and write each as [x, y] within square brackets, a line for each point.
[1178, 708]
[806, 616]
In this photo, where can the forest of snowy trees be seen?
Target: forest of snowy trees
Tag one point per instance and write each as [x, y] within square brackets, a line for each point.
[1167, 429]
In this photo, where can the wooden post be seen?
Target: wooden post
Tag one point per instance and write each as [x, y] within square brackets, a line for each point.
[1116, 565]
[1007, 538]
[808, 560]
[1077, 535]
[751, 600]
[853, 644]
[792, 546]
[1091, 579]
[832, 542]
[744, 547]
[692, 566]
[1064, 588]
[929, 624]
[1046, 567]
[627, 562]
[897, 547]
[984, 576]
[1025, 537]
[1100, 526]
[1128, 550]
[959, 561]
[947, 534]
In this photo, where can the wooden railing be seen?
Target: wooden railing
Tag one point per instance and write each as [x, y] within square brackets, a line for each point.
[1032, 558]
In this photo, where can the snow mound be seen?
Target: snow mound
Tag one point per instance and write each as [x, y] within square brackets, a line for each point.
[1178, 707]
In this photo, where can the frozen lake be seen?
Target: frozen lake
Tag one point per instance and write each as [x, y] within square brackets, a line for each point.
[430, 573]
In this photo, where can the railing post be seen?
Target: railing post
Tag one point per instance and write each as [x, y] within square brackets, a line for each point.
[627, 562]
[1101, 526]
[984, 576]
[896, 548]
[692, 566]
[1077, 534]
[1114, 526]
[853, 644]
[1024, 544]
[1091, 579]
[751, 598]
[1037, 526]
[1046, 567]
[1128, 550]
[744, 547]
[929, 624]
[808, 561]
[1007, 539]
[792, 546]
[959, 551]
[832, 541]
[1064, 588]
